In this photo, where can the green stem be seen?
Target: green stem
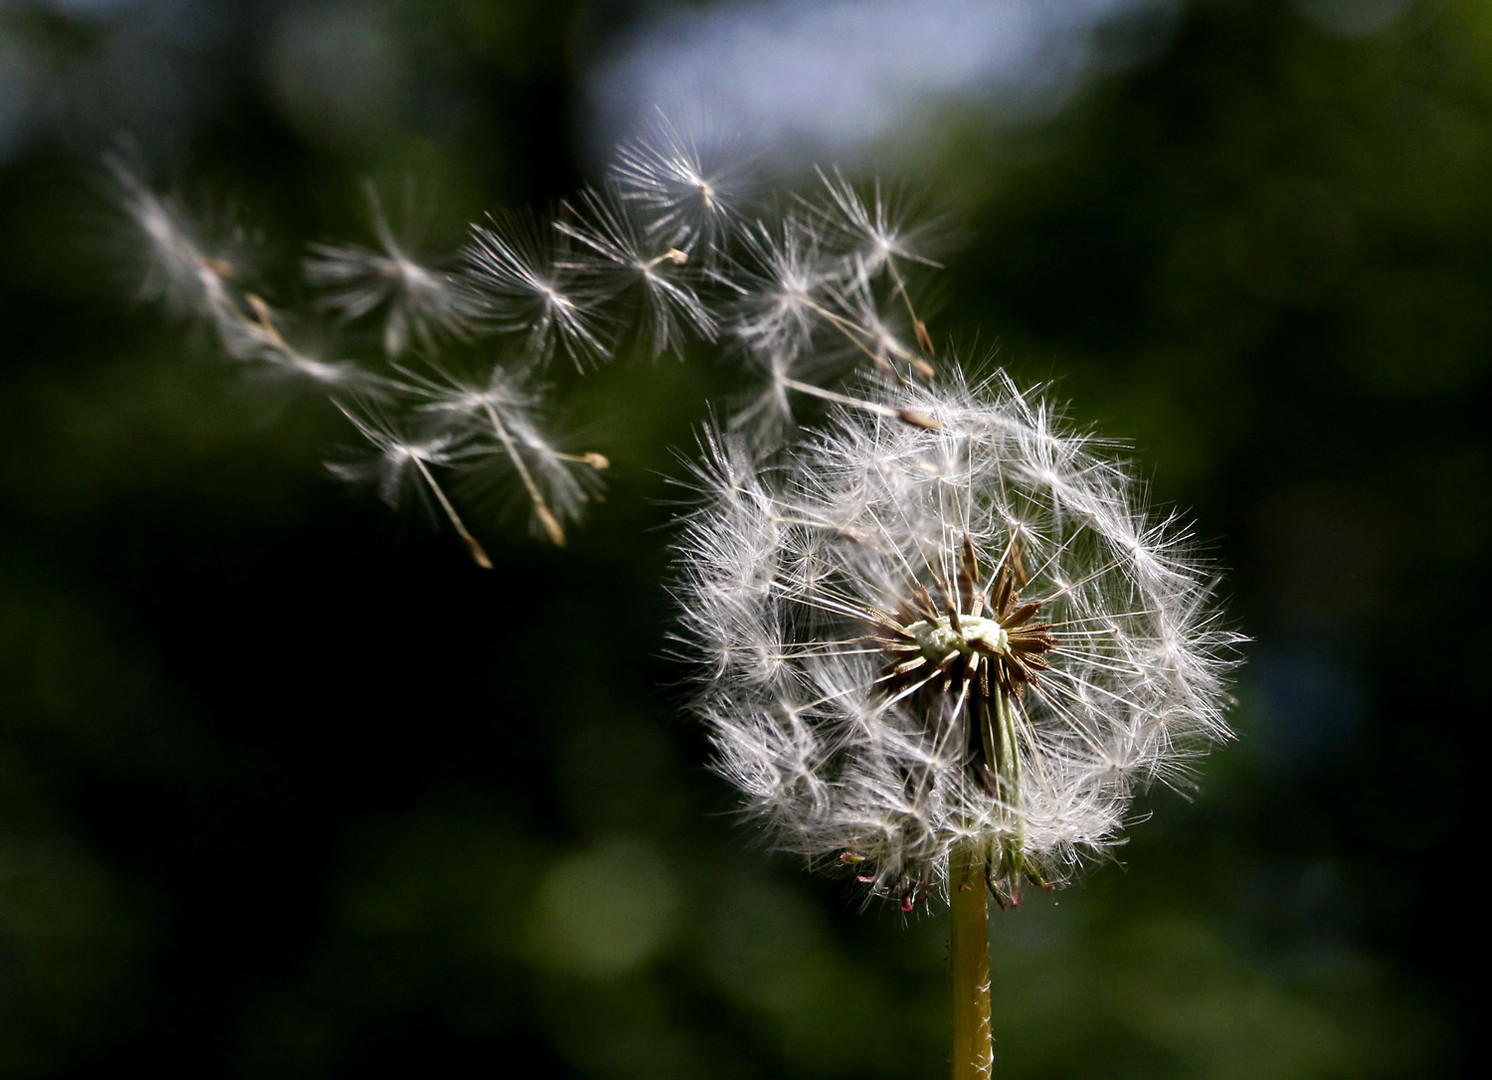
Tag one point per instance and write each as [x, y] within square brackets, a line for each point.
[1007, 756]
[968, 947]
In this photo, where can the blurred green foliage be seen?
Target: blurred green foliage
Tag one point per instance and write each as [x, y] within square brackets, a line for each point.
[288, 788]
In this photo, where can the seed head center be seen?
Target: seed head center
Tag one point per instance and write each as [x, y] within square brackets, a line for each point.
[937, 639]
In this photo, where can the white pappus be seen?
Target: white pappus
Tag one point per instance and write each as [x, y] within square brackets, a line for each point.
[946, 623]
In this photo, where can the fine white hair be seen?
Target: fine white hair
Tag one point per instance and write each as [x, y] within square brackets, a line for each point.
[791, 561]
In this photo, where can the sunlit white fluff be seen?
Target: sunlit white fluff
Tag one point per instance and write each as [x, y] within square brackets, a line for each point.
[176, 267]
[790, 562]
[523, 280]
[688, 184]
[615, 249]
[420, 301]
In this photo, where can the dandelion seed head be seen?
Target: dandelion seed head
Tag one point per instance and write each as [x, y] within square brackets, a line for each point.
[971, 622]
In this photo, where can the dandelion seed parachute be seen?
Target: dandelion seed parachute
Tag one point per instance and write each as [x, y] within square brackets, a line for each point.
[175, 266]
[423, 307]
[926, 638]
[689, 184]
[522, 279]
[614, 246]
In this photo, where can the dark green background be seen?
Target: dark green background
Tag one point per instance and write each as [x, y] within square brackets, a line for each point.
[288, 788]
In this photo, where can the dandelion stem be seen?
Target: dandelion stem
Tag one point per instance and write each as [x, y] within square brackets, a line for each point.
[968, 947]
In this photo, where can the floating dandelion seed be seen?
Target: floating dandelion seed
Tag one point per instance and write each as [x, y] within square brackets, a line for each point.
[522, 280]
[688, 185]
[422, 305]
[401, 463]
[614, 248]
[175, 266]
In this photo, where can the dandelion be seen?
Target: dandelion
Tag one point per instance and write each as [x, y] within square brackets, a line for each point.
[494, 421]
[177, 268]
[422, 304]
[881, 236]
[618, 250]
[947, 653]
[946, 640]
[522, 280]
[687, 187]
[402, 462]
